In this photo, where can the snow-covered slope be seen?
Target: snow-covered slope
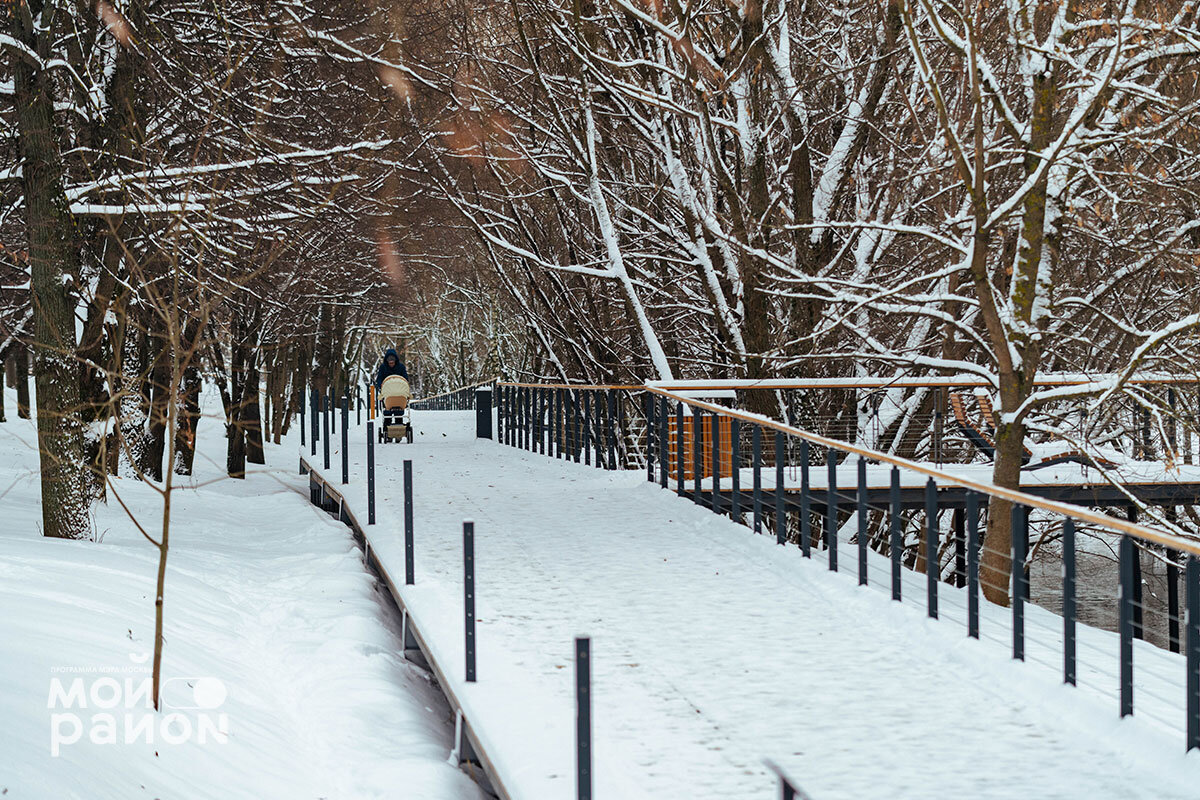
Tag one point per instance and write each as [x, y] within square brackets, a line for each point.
[272, 628]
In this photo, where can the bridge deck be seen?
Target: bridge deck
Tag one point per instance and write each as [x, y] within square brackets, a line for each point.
[714, 649]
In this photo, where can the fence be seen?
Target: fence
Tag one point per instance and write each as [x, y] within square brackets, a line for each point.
[460, 399]
[1061, 565]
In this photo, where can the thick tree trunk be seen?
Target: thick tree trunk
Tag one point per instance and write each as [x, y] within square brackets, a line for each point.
[67, 489]
[251, 416]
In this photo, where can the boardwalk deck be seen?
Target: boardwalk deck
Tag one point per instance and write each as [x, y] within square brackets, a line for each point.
[714, 649]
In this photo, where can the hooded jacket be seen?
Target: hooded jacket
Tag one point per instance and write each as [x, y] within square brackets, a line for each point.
[385, 370]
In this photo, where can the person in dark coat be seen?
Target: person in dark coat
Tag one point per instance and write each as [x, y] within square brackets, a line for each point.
[391, 365]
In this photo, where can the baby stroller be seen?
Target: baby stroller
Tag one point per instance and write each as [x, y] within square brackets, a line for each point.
[394, 396]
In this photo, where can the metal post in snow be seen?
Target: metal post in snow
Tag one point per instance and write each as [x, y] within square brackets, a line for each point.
[697, 450]
[831, 507]
[1068, 600]
[972, 513]
[587, 428]
[611, 463]
[1173, 600]
[1192, 648]
[805, 502]
[650, 404]
[756, 456]
[780, 513]
[663, 411]
[895, 543]
[313, 414]
[1127, 553]
[715, 424]
[345, 440]
[932, 563]
[862, 521]
[469, 596]
[735, 469]
[325, 428]
[679, 452]
[371, 458]
[1019, 521]
[583, 718]
[410, 574]
[303, 422]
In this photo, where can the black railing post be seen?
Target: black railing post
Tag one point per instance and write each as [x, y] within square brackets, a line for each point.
[358, 406]
[972, 513]
[862, 521]
[314, 414]
[577, 430]
[1019, 522]
[483, 413]
[715, 423]
[409, 554]
[583, 718]
[831, 509]
[805, 502]
[371, 465]
[895, 543]
[679, 449]
[663, 441]
[1172, 599]
[932, 563]
[1068, 600]
[611, 463]
[650, 406]
[325, 414]
[1128, 553]
[958, 523]
[345, 440]
[303, 422]
[469, 596]
[735, 469]
[697, 454]
[1192, 646]
[587, 427]
[756, 455]
[780, 513]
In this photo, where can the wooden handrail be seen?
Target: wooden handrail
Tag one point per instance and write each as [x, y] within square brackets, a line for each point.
[1011, 495]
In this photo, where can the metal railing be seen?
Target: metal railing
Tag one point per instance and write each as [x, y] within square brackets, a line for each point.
[911, 521]
[460, 399]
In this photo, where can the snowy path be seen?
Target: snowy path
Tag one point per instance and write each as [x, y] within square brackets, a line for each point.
[714, 649]
[265, 594]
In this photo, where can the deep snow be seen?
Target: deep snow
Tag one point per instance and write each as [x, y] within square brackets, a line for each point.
[270, 618]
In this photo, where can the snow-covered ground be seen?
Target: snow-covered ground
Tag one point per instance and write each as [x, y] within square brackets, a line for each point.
[714, 649]
[272, 627]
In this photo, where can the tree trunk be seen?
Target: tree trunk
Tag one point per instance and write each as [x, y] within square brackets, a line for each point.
[235, 453]
[160, 381]
[21, 358]
[67, 490]
[251, 416]
[188, 416]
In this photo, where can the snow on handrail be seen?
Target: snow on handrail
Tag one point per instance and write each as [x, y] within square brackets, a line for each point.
[1011, 495]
